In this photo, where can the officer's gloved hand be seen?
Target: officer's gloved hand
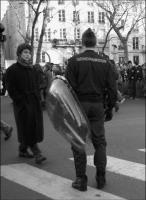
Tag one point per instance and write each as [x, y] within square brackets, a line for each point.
[108, 115]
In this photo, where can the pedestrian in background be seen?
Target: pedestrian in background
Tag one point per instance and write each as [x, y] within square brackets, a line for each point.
[6, 129]
[144, 79]
[124, 79]
[139, 80]
[47, 69]
[23, 88]
[56, 70]
[90, 74]
[131, 72]
[43, 82]
[120, 98]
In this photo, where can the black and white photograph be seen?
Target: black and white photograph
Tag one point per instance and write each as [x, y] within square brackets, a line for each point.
[73, 99]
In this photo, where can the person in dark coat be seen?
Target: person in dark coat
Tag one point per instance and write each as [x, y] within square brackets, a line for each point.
[23, 88]
[139, 80]
[131, 80]
[90, 74]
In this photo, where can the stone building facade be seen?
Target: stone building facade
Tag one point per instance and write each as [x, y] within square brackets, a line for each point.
[66, 22]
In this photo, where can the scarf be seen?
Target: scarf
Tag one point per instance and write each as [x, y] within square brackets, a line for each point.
[25, 63]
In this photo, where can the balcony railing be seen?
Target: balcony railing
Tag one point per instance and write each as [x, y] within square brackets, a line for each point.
[101, 22]
[120, 47]
[65, 42]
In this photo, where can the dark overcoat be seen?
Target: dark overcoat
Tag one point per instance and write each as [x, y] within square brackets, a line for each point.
[23, 88]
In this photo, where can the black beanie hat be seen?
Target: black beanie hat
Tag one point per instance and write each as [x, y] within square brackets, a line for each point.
[23, 46]
[89, 38]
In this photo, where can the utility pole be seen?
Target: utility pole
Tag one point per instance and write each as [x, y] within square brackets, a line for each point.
[2, 48]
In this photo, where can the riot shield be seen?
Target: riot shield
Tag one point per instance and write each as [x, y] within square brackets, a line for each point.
[66, 114]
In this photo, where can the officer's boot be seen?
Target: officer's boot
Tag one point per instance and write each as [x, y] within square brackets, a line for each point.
[80, 183]
[100, 162]
[100, 179]
[80, 166]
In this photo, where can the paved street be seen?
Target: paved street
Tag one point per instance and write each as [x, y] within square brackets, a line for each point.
[22, 179]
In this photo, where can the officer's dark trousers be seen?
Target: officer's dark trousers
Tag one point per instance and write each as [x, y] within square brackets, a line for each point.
[95, 114]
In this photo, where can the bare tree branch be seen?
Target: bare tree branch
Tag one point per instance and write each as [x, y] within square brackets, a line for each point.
[133, 26]
[32, 7]
[106, 38]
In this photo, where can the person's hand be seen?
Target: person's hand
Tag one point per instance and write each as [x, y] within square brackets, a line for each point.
[108, 115]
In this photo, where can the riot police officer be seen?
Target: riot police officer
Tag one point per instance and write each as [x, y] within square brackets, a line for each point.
[89, 74]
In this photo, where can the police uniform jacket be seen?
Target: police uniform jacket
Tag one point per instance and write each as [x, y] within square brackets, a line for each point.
[89, 74]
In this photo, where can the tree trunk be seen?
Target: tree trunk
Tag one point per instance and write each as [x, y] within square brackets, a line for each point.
[37, 13]
[125, 46]
[106, 39]
[28, 31]
[38, 55]
[32, 34]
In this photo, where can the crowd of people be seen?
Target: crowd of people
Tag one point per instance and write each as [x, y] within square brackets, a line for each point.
[132, 79]
[99, 85]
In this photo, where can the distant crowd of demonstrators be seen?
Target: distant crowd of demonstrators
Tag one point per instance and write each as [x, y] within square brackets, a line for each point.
[131, 79]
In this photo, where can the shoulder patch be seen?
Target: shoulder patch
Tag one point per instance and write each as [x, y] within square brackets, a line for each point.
[91, 59]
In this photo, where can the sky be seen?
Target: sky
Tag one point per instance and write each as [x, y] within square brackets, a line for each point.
[4, 4]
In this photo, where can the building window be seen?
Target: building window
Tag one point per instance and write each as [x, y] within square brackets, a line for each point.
[90, 2]
[60, 1]
[121, 60]
[36, 34]
[120, 47]
[47, 35]
[63, 34]
[77, 34]
[101, 17]
[136, 59]
[76, 16]
[91, 17]
[43, 57]
[75, 2]
[62, 15]
[49, 15]
[135, 43]
[136, 29]
[35, 1]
